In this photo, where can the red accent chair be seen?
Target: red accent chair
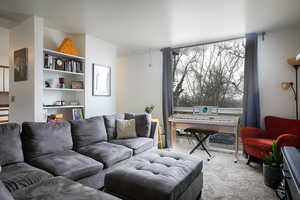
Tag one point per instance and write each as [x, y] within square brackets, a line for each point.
[258, 142]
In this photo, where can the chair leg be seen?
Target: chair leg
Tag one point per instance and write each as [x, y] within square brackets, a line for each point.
[249, 159]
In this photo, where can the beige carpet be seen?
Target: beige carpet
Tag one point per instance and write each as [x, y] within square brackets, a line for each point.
[224, 179]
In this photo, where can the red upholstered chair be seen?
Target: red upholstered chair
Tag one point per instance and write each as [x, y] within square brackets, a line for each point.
[257, 142]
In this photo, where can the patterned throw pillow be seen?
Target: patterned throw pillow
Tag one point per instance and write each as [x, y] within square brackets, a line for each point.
[126, 129]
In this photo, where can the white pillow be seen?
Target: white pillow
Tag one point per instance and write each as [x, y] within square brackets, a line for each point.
[126, 129]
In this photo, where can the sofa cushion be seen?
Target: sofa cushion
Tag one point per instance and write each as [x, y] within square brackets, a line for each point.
[20, 175]
[106, 153]
[158, 175]
[126, 129]
[110, 124]
[10, 144]
[43, 138]
[88, 131]
[60, 188]
[142, 123]
[69, 164]
[4, 193]
[138, 145]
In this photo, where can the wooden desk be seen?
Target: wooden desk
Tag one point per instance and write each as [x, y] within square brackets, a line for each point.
[222, 124]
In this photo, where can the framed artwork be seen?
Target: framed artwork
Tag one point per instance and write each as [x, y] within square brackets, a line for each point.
[101, 80]
[21, 64]
[77, 84]
[77, 114]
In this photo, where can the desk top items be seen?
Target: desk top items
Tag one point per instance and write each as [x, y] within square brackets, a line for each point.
[205, 110]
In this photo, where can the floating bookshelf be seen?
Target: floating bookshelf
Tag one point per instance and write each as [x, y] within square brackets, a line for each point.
[59, 54]
[63, 107]
[64, 89]
[63, 72]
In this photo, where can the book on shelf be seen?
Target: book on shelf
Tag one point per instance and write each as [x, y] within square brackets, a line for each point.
[63, 64]
[55, 118]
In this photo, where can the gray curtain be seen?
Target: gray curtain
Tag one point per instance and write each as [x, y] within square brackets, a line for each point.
[167, 92]
[251, 116]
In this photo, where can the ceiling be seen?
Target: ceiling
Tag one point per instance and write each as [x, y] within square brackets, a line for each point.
[143, 24]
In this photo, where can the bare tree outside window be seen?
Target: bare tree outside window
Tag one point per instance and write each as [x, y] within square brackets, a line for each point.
[210, 75]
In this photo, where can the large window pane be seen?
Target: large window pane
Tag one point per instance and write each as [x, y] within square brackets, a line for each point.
[210, 75]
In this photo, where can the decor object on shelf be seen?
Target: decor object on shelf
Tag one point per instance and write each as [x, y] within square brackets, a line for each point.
[21, 64]
[272, 167]
[59, 64]
[68, 47]
[76, 84]
[101, 80]
[60, 103]
[74, 103]
[296, 64]
[62, 82]
[149, 109]
[55, 118]
[77, 114]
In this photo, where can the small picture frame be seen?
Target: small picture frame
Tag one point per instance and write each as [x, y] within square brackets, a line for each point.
[77, 114]
[77, 84]
[101, 80]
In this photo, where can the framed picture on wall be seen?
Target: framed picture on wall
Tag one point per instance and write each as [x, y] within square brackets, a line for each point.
[20, 64]
[101, 80]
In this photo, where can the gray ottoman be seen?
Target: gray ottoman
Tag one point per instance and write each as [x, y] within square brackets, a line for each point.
[157, 175]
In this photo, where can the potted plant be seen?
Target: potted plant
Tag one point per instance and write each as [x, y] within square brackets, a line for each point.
[149, 109]
[272, 167]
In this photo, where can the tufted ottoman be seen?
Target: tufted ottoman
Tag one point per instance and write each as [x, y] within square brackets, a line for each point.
[157, 175]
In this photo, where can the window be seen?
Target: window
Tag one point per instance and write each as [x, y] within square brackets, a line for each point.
[210, 75]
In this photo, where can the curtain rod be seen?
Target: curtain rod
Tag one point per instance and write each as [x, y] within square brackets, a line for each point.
[216, 41]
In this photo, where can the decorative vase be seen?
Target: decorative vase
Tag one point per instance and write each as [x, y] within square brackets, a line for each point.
[272, 176]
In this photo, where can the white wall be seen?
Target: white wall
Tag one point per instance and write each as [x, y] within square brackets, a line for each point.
[4, 57]
[140, 83]
[27, 93]
[4, 50]
[100, 52]
[273, 69]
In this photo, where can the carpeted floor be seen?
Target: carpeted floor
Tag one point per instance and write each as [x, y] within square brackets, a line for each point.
[226, 180]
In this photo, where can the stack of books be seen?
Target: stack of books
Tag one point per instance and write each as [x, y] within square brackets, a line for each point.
[55, 118]
[50, 62]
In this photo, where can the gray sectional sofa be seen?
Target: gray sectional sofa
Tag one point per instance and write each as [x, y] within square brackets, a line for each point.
[59, 154]
[77, 160]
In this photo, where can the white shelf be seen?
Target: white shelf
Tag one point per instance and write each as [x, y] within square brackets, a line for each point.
[52, 52]
[63, 72]
[63, 107]
[64, 89]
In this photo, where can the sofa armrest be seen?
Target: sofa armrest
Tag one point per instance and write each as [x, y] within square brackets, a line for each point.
[154, 133]
[251, 132]
[288, 140]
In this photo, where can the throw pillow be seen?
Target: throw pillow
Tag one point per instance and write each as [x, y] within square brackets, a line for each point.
[143, 123]
[126, 129]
